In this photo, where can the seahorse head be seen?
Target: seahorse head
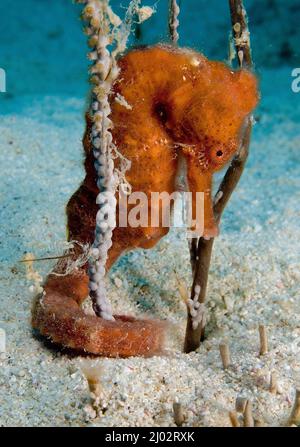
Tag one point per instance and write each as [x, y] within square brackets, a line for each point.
[209, 111]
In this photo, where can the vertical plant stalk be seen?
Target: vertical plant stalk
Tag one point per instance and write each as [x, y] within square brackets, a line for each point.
[263, 338]
[201, 251]
[174, 12]
[294, 418]
[225, 355]
[248, 416]
[273, 388]
[178, 414]
[105, 30]
[103, 72]
[234, 419]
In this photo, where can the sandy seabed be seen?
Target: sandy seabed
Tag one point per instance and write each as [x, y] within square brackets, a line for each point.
[254, 280]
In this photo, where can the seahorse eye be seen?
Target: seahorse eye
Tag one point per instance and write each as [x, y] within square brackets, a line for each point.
[161, 112]
[219, 153]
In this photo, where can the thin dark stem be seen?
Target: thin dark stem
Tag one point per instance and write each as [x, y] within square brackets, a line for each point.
[202, 251]
[193, 337]
[193, 244]
[50, 258]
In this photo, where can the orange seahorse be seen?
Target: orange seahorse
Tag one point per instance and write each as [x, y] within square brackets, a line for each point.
[179, 103]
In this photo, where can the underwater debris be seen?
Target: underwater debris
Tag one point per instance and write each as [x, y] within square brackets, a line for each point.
[33, 275]
[122, 101]
[92, 371]
[144, 13]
